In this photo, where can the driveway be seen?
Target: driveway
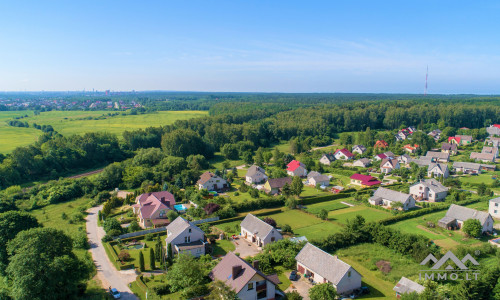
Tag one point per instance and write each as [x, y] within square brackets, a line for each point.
[245, 248]
[302, 286]
[106, 272]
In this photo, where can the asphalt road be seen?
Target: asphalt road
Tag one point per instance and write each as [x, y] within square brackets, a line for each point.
[106, 272]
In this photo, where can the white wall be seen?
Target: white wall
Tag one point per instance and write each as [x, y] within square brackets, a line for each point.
[494, 207]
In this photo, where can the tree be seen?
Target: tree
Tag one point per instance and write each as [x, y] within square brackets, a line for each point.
[134, 226]
[297, 186]
[324, 291]
[158, 250]
[106, 208]
[323, 214]
[172, 215]
[11, 223]
[247, 157]
[211, 208]
[152, 259]
[186, 271]
[141, 262]
[294, 295]
[290, 202]
[259, 157]
[472, 227]
[170, 253]
[219, 290]
[185, 142]
[112, 224]
[286, 228]
[270, 221]
[43, 265]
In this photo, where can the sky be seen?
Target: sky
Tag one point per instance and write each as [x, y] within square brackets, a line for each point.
[251, 46]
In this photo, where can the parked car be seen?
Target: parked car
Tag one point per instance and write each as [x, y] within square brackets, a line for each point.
[114, 292]
[293, 276]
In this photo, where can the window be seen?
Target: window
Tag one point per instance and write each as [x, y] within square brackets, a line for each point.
[250, 286]
[349, 274]
[496, 204]
[187, 239]
[496, 211]
[189, 230]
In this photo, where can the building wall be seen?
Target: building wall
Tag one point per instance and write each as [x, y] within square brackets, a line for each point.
[349, 283]
[494, 207]
[257, 178]
[324, 160]
[194, 235]
[246, 294]
[197, 252]
[209, 185]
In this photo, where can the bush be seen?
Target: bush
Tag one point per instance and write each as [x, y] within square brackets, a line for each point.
[124, 255]
[80, 240]
[323, 214]
[286, 228]
[270, 221]
[149, 237]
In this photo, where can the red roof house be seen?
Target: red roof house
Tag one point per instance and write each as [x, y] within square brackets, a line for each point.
[343, 154]
[454, 140]
[364, 180]
[381, 144]
[296, 168]
[152, 208]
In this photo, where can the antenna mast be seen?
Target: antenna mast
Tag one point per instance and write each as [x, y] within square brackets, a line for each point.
[426, 74]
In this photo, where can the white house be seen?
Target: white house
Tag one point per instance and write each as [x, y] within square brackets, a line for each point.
[246, 280]
[438, 170]
[441, 157]
[360, 149]
[258, 232]
[319, 179]
[457, 215]
[494, 209]
[325, 268]
[429, 189]
[389, 164]
[211, 182]
[185, 237]
[255, 174]
[407, 286]
[343, 154]
[388, 198]
[364, 162]
[327, 159]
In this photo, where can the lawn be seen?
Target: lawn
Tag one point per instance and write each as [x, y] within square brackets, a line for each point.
[222, 247]
[306, 224]
[134, 253]
[370, 214]
[364, 257]
[328, 206]
[158, 280]
[70, 122]
[485, 178]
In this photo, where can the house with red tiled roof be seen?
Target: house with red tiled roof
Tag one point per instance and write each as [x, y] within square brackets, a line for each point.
[364, 180]
[379, 156]
[296, 168]
[460, 139]
[343, 154]
[152, 208]
[493, 129]
[411, 148]
[381, 144]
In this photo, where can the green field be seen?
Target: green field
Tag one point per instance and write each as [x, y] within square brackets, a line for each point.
[328, 206]
[370, 214]
[66, 123]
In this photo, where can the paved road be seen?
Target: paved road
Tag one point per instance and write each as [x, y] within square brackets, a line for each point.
[106, 272]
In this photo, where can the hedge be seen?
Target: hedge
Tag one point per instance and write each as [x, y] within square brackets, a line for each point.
[110, 250]
[423, 211]
[141, 284]
[261, 203]
[274, 211]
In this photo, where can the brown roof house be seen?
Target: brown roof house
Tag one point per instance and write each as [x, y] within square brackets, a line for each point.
[152, 208]
[246, 280]
[325, 268]
[389, 164]
[457, 215]
[273, 186]
[449, 148]
[211, 182]
[258, 232]
[185, 237]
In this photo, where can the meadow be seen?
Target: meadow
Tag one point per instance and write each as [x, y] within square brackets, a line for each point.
[370, 214]
[75, 122]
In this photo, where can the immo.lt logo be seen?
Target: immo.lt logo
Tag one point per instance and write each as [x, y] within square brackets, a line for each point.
[457, 272]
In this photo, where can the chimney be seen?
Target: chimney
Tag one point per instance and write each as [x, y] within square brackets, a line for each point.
[255, 264]
[162, 199]
[236, 271]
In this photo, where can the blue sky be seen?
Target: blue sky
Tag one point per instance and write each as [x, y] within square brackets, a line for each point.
[283, 46]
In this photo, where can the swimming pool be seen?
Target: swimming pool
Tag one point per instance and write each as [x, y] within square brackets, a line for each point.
[180, 207]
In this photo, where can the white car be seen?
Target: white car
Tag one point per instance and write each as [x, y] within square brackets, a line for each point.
[114, 292]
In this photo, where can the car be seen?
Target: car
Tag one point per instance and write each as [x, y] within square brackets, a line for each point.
[293, 276]
[115, 293]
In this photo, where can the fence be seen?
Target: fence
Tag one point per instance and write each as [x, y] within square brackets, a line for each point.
[142, 232]
[196, 222]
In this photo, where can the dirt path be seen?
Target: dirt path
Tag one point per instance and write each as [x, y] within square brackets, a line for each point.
[86, 174]
[106, 271]
[318, 148]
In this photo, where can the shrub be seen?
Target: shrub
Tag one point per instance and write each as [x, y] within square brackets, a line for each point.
[472, 227]
[80, 240]
[323, 214]
[141, 262]
[211, 208]
[149, 237]
[124, 255]
[286, 228]
[270, 221]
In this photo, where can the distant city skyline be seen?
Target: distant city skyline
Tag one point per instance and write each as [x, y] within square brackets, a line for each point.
[236, 46]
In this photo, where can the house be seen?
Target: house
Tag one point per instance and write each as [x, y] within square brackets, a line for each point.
[322, 180]
[438, 156]
[325, 268]
[364, 180]
[211, 182]
[484, 157]
[452, 149]
[404, 159]
[327, 159]
[379, 157]
[422, 161]
[343, 154]
[274, 186]
[389, 164]
[380, 144]
[428, 190]
[402, 135]
[467, 167]
[457, 215]
[258, 232]
[246, 280]
[435, 134]
[460, 140]
[152, 208]
[493, 129]
[364, 162]
[493, 141]
[411, 148]
[494, 208]
[296, 168]
[388, 198]
[491, 150]
[255, 174]
[312, 174]
[360, 149]
[407, 286]
[185, 237]
[438, 170]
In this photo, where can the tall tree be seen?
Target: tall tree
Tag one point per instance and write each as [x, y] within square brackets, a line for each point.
[186, 271]
[141, 262]
[297, 186]
[324, 291]
[219, 290]
[152, 259]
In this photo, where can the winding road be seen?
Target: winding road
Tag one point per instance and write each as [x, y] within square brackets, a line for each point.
[106, 272]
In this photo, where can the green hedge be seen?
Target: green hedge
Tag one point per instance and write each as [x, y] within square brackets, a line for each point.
[140, 283]
[423, 211]
[274, 211]
[261, 203]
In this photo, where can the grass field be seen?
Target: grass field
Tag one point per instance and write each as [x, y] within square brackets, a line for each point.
[370, 214]
[329, 206]
[66, 123]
